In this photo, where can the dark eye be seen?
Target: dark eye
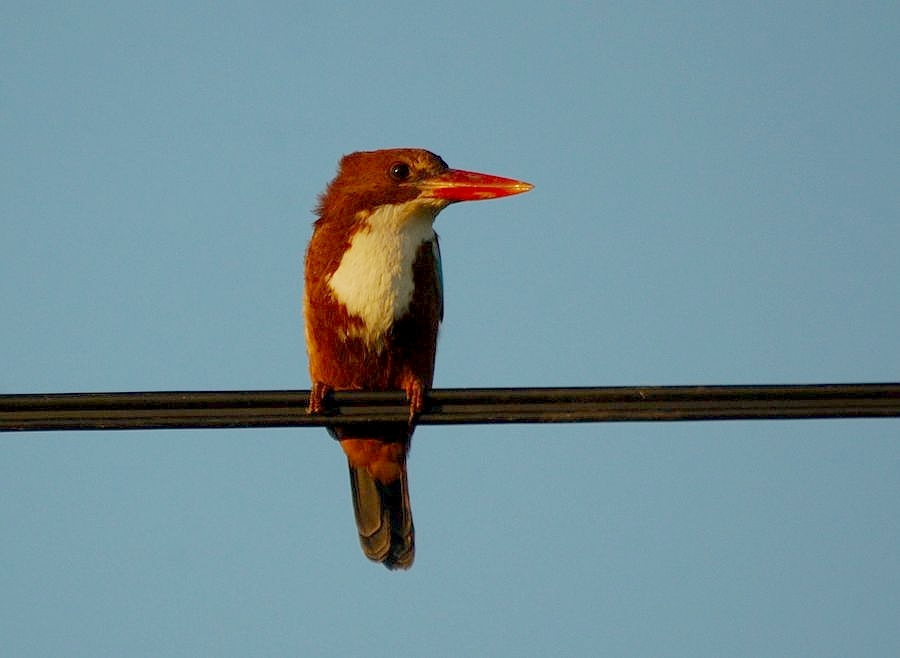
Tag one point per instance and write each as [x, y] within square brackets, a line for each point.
[399, 171]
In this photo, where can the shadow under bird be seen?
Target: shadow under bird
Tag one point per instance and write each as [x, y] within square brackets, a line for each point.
[372, 305]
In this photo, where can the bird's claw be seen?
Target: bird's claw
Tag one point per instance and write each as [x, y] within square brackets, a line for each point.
[317, 396]
[415, 393]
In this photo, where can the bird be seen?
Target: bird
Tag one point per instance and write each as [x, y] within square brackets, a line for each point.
[372, 305]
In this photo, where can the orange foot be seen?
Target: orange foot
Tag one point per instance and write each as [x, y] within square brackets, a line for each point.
[415, 393]
[317, 397]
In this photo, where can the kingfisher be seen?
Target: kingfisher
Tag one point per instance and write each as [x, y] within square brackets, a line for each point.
[372, 305]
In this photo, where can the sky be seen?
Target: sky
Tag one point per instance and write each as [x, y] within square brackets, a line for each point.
[716, 202]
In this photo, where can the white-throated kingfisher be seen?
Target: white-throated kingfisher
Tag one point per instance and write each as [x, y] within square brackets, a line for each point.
[372, 305]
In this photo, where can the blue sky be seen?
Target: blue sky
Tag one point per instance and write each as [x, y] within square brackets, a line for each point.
[716, 202]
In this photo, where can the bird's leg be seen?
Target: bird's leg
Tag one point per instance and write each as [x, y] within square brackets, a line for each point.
[317, 396]
[415, 390]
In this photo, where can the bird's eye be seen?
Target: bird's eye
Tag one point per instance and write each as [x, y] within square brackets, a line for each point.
[399, 171]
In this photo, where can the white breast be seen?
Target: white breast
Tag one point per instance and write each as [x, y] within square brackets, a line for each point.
[374, 279]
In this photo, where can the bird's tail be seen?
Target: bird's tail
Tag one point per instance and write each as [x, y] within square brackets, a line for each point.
[383, 517]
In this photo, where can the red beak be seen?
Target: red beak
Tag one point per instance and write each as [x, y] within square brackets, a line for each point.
[458, 185]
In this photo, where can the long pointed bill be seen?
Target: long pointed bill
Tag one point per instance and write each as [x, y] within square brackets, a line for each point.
[458, 185]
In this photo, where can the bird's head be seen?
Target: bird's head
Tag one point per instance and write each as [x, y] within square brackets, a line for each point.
[367, 180]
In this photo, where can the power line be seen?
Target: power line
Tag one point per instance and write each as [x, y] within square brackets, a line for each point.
[219, 409]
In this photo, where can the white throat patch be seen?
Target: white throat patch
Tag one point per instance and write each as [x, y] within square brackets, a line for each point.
[374, 279]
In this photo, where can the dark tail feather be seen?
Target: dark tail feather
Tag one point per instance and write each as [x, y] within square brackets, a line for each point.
[384, 519]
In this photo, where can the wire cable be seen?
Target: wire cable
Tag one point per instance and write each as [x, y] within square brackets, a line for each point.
[222, 409]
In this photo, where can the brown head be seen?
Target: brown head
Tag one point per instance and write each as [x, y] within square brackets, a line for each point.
[368, 179]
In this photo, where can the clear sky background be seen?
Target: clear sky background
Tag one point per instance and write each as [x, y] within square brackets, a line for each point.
[716, 202]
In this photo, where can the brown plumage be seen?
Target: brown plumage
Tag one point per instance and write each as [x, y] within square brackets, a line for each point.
[372, 306]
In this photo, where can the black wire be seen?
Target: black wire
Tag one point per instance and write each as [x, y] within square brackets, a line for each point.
[217, 409]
